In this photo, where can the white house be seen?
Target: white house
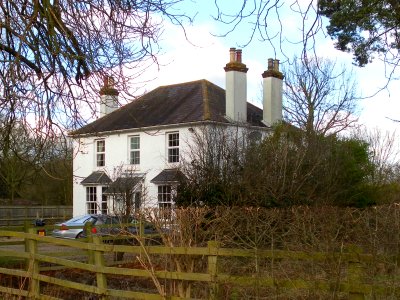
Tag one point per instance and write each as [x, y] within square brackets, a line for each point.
[141, 144]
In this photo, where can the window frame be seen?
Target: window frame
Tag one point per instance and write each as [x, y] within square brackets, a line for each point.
[104, 201]
[137, 200]
[164, 195]
[173, 147]
[100, 153]
[165, 200]
[134, 150]
[91, 199]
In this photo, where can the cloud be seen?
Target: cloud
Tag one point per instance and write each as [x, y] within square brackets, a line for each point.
[203, 56]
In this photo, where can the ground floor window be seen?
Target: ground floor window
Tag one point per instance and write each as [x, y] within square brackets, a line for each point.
[125, 203]
[165, 200]
[164, 196]
[91, 199]
[104, 206]
[137, 197]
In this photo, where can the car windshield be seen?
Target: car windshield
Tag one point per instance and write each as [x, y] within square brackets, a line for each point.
[80, 220]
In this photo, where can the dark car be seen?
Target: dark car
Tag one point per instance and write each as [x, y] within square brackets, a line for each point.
[126, 230]
[118, 225]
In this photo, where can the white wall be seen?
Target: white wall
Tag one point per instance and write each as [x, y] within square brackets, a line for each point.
[153, 159]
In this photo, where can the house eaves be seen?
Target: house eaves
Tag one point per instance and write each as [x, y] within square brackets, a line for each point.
[170, 127]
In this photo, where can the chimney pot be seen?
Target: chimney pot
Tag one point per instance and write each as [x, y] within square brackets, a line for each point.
[276, 65]
[270, 64]
[239, 55]
[232, 56]
[108, 81]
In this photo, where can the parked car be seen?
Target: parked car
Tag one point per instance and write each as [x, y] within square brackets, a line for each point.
[103, 225]
[118, 225]
[73, 228]
[122, 230]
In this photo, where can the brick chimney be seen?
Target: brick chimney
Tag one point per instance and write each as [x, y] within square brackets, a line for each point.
[236, 87]
[108, 96]
[272, 93]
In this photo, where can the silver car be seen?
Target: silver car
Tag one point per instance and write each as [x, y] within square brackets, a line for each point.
[65, 231]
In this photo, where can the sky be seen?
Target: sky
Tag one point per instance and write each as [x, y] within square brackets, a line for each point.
[205, 55]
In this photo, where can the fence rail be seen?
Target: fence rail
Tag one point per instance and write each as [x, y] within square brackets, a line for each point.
[18, 215]
[213, 279]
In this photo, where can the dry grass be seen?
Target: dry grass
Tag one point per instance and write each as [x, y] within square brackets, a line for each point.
[334, 230]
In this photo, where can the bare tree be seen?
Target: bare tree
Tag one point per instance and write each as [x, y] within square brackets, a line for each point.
[190, 227]
[369, 30]
[226, 166]
[286, 167]
[126, 193]
[19, 157]
[264, 21]
[384, 154]
[54, 54]
[53, 181]
[319, 97]
[212, 165]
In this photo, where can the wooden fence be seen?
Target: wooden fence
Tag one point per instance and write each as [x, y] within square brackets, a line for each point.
[18, 215]
[212, 280]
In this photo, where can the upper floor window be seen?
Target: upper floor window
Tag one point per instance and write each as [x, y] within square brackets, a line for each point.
[255, 137]
[173, 147]
[100, 153]
[134, 150]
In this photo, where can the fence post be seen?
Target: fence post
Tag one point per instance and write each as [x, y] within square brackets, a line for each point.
[32, 266]
[26, 229]
[354, 272]
[141, 237]
[213, 269]
[88, 231]
[9, 217]
[101, 278]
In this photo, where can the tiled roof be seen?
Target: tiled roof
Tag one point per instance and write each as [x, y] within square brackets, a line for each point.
[173, 104]
[98, 177]
[122, 184]
[168, 175]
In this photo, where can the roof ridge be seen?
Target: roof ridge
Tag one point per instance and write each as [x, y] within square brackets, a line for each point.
[182, 83]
